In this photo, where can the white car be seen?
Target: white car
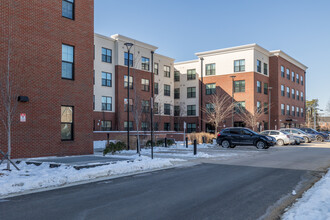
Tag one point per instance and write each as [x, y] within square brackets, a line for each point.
[282, 138]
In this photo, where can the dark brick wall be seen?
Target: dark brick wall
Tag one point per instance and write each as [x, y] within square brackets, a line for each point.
[38, 32]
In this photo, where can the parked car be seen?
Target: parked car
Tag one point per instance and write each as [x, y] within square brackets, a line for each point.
[230, 137]
[282, 138]
[298, 139]
[297, 132]
[319, 136]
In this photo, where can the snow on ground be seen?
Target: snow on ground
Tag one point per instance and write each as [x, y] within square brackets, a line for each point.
[35, 177]
[314, 204]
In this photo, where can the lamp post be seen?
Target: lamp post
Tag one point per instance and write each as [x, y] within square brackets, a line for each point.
[232, 101]
[152, 106]
[270, 95]
[315, 115]
[129, 46]
[201, 105]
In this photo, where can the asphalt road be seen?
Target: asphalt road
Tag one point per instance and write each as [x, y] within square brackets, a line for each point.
[243, 188]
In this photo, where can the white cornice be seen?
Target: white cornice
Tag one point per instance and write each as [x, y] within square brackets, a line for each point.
[104, 37]
[186, 62]
[288, 58]
[122, 38]
[160, 55]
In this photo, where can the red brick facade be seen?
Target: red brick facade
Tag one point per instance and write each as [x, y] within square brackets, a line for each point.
[38, 32]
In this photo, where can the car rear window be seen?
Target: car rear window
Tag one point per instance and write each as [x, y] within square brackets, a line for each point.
[265, 133]
[274, 133]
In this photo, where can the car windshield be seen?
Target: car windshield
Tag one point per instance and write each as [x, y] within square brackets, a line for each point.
[284, 132]
[300, 131]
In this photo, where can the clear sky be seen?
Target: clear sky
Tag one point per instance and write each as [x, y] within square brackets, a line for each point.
[180, 28]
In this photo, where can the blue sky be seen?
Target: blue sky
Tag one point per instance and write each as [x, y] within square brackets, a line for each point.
[180, 28]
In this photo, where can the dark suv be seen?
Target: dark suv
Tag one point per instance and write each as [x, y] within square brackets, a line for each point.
[319, 135]
[230, 137]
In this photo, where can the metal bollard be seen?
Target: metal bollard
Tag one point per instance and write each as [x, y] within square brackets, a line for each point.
[186, 142]
[137, 146]
[165, 142]
[203, 138]
[195, 147]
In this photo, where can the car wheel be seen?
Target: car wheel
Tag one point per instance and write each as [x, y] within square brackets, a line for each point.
[319, 138]
[225, 144]
[280, 142]
[261, 145]
[306, 139]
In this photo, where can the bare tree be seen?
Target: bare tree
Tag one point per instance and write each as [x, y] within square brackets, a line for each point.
[220, 108]
[251, 119]
[9, 95]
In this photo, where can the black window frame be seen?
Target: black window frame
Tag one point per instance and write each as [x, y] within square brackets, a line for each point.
[259, 89]
[283, 71]
[176, 76]
[191, 74]
[266, 108]
[191, 127]
[283, 90]
[156, 68]
[176, 93]
[66, 123]
[130, 58]
[73, 9]
[167, 126]
[191, 110]
[266, 88]
[210, 91]
[145, 106]
[239, 108]
[105, 81]
[240, 67]
[69, 62]
[177, 110]
[106, 103]
[288, 76]
[106, 58]
[131, 82]
[282, 109]
[191, 94]
[259, 63]
[167, 71]
[239, 86]
[266, 69]
[145, 63]
[167, 109]
[130, 105]
[167, 90]
[145, 85]
[156, 88]
[129, 124]
[156, 108]
[106, 128]
[210, 71]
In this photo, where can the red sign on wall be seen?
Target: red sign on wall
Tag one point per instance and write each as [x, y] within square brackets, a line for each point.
[23, 117]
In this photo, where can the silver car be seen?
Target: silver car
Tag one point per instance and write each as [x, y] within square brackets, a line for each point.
[282, 138]
[297, 132]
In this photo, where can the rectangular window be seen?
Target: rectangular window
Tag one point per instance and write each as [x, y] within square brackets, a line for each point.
[129, 103]
[191, 92]
[293, 75]
[176, 76]
[176, 127]
[258, 66]
[258, 87]
[66, 123]
[288, 92]
[282, 71]
[156, 109]
[302, 96]
[265, 69]
[167, 71]
[176, 110]
[126, 59]
[287, 109]
[177, 93]
[130, 125]
[293, 94]
[210, 89]
[68, 9]
[258, 106]
[106, 103]
[239, 86]
[191, 110]
[130, 82]
[106, 125]
[302, 80]
[239, 65]
[93, 102]
[287, 73]
[209, 107]
[266, 108]
[145, 63]
[191, 127]
[239, 107]
[297, 95]
[106, 79]
[167, 126]
[293, 110]
[167, 90]
[210, 69]
[144, 126]
[298, 112]
[156, 67]
[145, 85]
[191, 74]
[156, 88]
[282, 109]
[266, 88]
[145, 106]
[297, 78]
[167, 109]
[67, 61]
[302, 112]
[282, 90]
[106, 55]
[156, 126]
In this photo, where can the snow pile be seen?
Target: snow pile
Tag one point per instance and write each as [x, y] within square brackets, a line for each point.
[99, 144]
[36, 177]
[315, 203]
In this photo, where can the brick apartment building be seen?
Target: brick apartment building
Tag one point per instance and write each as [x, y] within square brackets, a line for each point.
[52, 65]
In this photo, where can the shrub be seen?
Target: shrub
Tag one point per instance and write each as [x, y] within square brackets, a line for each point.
[169, 141]
[114, 147]
[199, 137]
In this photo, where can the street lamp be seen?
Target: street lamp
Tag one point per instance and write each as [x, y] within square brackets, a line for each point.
[270, 95]
[232, 102]
[201, 105]
[129, 46]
